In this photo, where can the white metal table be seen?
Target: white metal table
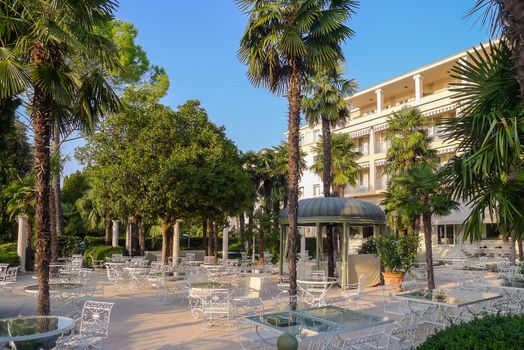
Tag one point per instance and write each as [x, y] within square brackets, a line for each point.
[33, 331]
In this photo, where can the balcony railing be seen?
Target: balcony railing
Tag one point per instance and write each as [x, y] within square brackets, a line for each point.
[358, 189]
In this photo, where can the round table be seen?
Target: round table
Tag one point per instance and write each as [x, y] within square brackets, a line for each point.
[33, 332]
[199, 291]
[54, 288]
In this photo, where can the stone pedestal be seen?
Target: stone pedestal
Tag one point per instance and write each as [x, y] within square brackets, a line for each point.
[115, 233]
[225, 244]
[176, 242]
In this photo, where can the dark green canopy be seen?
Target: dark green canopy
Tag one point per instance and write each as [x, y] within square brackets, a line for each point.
[335, 210]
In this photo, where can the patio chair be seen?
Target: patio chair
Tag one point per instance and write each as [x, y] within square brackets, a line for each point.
[371, 341]
[3, 269]
[317, 275]
[352, 295]
[251, 300]
[96, 264]
[216, 307]
[114, 273]
[93, 330]
[403, 337]
[8, 279]
[190, 256]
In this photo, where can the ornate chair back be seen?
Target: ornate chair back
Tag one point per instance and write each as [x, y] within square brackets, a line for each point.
[95, 318]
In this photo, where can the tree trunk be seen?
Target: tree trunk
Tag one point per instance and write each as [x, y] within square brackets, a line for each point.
[294, 99]
[55, 148]
[261, 238]
[215, 240]
[133, 220]
[210, 240]
[242, 227]
[52, 223]
[514, 22]
[426, 218]
[512, 254]
[250, 227]
[108, 227]
[204, 233]
[141, 235]
[41, 117]
[167, 225]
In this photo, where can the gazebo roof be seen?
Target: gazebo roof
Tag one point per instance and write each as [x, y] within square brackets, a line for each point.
[336, 210]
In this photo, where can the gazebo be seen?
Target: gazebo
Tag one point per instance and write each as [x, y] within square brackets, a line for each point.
[321, 211]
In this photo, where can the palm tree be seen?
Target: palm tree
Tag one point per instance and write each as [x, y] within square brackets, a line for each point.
[410, 146]
[285, 41]
[506, 17]
[344, 171]
[52, 50]
[486, 174]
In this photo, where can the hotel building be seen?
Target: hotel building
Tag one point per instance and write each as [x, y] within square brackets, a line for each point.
[428, 89]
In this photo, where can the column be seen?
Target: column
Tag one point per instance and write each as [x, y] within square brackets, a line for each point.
[21, 244]
[344, 279]
[318, 235]
[115, 233]
[380, 99]
[418, 88]
[303, 244]
[225, 244]
[281, 252]
[372, 172]
[176, 242]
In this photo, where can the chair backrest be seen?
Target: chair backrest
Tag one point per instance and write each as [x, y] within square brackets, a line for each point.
[190, 256]
[217, 298]
[209, 259]
[408, 286]
[317, 275]
[197, 277]
[95, 318]
[3, 268]
[10, 275]
[254, 287]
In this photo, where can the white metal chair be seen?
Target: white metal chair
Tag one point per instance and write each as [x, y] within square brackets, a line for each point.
[403, 337]
[353, 294]
[97, 264]
[251, 301]
[249, 337]
[216, 307]
[94, 328]
[8, 278]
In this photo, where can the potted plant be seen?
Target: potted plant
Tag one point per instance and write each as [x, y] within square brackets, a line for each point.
[397, 254]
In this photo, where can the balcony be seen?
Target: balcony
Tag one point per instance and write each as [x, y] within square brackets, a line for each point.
[357, 189]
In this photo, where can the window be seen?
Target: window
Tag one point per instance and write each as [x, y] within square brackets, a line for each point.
[367, 231]
[492, 231]
[363, 146]
[316, 190]
[316, 135]
[301, 192]
[301, 140]
[445, 234]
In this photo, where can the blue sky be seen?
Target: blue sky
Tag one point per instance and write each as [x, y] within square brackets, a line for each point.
[196, 42]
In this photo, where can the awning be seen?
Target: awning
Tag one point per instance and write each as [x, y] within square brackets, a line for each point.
[439, 110]
[359, 133]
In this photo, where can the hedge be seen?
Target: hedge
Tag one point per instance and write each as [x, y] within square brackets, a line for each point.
[101, 252]
[68, 245]
[488, 333]
[9, 255]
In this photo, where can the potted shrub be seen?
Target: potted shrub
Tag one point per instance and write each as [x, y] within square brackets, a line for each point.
[397, 255]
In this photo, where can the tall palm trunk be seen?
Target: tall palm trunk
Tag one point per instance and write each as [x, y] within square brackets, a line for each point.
[327, 181]
[57, 193]
[521, 253]
[41, 116]
[294, 98]
[108, 227]
[250, 227]
[52, 223]
[166, 229]
[204, 233]
[261, 234]
[141, 234]
[215, 240]
[514, 22]
[426, 218]
[133, 234]
[210, 240]
[242, 227]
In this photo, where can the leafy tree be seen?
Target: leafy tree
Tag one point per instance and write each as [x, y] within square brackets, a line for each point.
[343, 171]
[284, 42]
[486, 174]
[15, 154]
[43, 47]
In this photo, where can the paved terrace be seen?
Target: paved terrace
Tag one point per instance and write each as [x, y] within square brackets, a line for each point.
[140, 321]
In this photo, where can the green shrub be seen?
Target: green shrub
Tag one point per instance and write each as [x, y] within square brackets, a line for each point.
[236, 247]
[153, 243]
[397, 254]
[9, 255]
[488, 333]
[91, 241]
[369, 246]
[68, 245]
[101, 252]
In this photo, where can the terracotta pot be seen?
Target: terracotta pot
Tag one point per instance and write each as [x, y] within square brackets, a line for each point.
[394, 279]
